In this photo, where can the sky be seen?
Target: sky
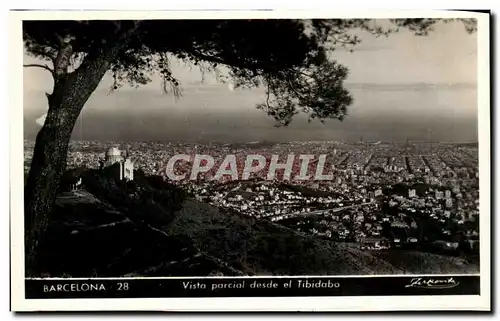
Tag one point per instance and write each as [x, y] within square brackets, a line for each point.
[405, 82]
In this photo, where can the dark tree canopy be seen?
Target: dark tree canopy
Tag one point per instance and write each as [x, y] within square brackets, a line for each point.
[289, 58]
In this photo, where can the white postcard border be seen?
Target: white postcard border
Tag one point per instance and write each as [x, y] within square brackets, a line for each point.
[401, 303]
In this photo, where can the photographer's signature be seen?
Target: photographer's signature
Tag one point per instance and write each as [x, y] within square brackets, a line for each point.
[432, 283]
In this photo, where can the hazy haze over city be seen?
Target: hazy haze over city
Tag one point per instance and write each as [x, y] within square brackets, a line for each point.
[403, 86]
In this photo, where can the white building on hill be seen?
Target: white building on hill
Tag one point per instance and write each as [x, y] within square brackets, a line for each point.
[113, 155]
[126, 165]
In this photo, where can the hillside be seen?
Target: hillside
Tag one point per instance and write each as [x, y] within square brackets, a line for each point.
[265, 248]
[149, 228]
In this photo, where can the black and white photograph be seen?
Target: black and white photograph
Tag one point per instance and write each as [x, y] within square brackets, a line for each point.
[253, 155]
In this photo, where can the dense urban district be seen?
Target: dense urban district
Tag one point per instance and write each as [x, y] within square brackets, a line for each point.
[380, 195]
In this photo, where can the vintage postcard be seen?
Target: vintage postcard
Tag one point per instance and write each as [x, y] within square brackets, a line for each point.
[250, 161]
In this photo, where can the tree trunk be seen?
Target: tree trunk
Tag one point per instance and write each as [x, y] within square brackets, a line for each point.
[47, 167]
[71, 92]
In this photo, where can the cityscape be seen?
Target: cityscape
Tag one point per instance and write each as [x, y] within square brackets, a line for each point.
[381, 195]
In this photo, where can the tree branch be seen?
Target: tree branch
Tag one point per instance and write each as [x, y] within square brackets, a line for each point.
[208, 58]
[44, 53]
[117, 25]
[59, 39]
[39, 66]
[128, 32]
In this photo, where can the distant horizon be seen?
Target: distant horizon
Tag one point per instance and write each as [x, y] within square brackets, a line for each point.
[402, 86]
